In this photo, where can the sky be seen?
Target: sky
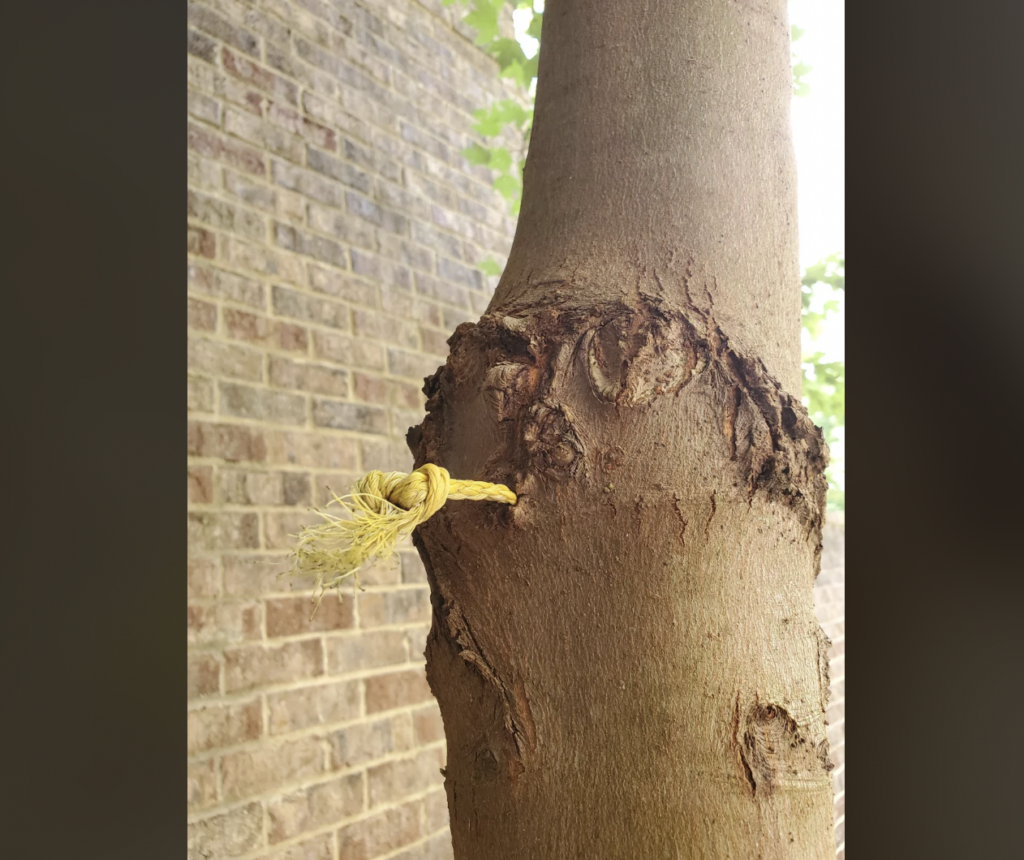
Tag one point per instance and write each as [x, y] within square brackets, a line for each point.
[818, 138]
[818, 128]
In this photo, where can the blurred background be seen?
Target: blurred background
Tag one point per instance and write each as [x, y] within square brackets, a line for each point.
[353, 181]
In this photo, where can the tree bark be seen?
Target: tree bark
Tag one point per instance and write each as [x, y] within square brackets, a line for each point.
[627, 661]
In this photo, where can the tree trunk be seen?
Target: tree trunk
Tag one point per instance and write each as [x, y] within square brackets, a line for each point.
[627, 661]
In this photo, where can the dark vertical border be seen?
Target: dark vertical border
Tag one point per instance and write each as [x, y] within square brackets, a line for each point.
[935, 334]
[94, 107]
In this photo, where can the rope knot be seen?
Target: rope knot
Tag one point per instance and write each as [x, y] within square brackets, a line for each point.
[423, 491]
[383, 507]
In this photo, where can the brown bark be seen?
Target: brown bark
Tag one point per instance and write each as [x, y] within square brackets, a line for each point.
[627, 661]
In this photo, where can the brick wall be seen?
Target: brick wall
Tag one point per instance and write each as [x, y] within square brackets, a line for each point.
[333, 232]
[830, 607]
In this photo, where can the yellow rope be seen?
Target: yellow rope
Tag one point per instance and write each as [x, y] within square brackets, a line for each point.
[384, 506]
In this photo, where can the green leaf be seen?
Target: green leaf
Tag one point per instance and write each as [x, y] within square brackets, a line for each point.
[476, 154]
[484, 19]
[489, 266]
[508, 187]
[795, 32]
[533, 30]
[506, 51]
[501, 159]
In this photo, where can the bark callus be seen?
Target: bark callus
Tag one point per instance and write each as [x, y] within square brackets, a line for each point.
[590, 605]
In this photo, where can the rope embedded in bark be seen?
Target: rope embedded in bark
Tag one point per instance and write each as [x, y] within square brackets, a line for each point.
[384, 506]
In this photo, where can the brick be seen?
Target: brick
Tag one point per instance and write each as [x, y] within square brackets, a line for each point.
[398, 303]
[203, 577]
[309, 245]
[376, 267]
[312, 450]
[380, 834]
[202, 242]
[279, 529]
[226, 835]
[341, 286]
[200, 394]
[269, 137]
[313, 132]
[434, 341]
[438, 847]
[323, 704]
[411, 365]
[435, 809]
[229, 442]
[253, 666]
[399, 198]
[328, 112]
[291, 303]
[412, 568]
[210, 22]
[319, 379]
[388, 455]
[226, 285]
[344, 226]
[396, 690]
[370, 211]
[213, 145]
[416, 641]
[442, 291]
[259, 77]
[290, 616]
[200, 484]
[409, 253]
[377, 572]
[349, 416]
[218, 531]
[394, 780]
[202, 785]
[220, 726]
[352, 351]
[203, 173]
[203, 675]
[357, 744]
[337, 169]
[460, 274]
[224, 623]
[387, 392]
[246, 487]
[264, 331]
[262, 260]
[316, 806]
[371, 650]
[201, 46]
[202, 315]
[452, 318]
[256, 575]
[216, 358]
[249, 192]
[249, 773]
[307, 184]
[261, 404]
[426, 142]
[317, 848]
[221, 215]
[428, 727]
[398, 607]
[203, 107]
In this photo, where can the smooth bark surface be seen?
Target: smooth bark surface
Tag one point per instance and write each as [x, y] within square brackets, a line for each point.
[627, 661]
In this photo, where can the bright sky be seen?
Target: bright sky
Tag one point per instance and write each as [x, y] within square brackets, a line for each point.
[818, 127]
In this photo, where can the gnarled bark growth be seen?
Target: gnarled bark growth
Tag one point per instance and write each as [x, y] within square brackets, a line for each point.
[627, 661]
